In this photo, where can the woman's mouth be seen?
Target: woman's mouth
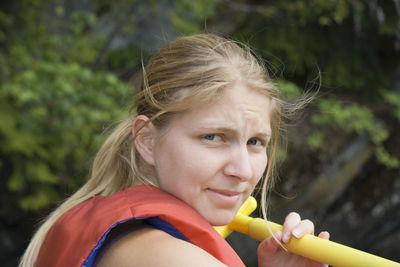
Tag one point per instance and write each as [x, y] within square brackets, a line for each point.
[224, 198]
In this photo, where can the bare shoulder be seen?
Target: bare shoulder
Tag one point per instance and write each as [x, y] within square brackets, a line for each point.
[152, 247]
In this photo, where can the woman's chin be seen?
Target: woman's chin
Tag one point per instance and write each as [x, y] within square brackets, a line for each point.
[221, 220]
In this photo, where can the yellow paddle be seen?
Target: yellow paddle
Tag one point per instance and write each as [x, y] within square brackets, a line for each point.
[309, 246]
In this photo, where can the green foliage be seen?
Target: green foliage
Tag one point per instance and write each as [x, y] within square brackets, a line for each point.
[324, 12]
[287, 89]
[394, 99]
[344, 39]
[57, 111]
[353, 118]
[52, 106]
[188, 15]
[315, 140]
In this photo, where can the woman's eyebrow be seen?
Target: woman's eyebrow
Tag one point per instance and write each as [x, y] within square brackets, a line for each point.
[218, 128]
[264, 134]
[232, 129]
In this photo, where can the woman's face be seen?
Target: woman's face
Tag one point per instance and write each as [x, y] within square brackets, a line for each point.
[213, 156]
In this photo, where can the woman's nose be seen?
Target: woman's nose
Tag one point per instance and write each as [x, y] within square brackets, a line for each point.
[239, 164]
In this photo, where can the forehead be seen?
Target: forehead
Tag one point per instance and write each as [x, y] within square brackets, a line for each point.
[237, 105]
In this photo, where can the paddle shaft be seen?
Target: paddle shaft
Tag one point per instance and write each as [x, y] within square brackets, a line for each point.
[310, 246]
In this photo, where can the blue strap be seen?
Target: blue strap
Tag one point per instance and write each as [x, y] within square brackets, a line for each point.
[155, 222]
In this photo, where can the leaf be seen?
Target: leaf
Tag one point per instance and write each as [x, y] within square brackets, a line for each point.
[39, 171]
[315, 140]
[287, 89]
[41, 198]
[16, 181]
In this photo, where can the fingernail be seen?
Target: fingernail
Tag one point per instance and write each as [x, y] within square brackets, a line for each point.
[297, 233]
[286, 237]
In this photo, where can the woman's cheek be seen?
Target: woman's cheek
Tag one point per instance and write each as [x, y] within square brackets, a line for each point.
[261, 166]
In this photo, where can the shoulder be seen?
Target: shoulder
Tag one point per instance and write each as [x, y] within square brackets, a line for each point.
[152, 247]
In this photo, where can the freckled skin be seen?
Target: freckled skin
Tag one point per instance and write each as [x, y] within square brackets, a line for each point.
[213, 156]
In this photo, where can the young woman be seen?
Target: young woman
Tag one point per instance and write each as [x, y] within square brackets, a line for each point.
[204, 135]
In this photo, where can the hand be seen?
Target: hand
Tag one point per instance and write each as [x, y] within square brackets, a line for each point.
[270, 253]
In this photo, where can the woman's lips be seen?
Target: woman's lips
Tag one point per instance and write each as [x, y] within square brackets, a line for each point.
[225, 192]
[224, 198]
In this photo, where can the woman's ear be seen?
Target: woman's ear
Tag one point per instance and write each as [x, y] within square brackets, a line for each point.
[145, 134]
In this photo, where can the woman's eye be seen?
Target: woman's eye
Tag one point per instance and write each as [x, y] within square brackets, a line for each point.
[212, 137]
[255, 142]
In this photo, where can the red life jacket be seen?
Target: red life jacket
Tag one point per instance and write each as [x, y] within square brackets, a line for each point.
[75, 238]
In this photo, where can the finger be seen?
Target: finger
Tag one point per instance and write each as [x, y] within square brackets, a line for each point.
[304, 227]
[269, 246]
[291, 221]
[324, 235]
[293, 226]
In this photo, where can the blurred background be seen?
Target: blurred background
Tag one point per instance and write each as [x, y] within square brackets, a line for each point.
[68, 71]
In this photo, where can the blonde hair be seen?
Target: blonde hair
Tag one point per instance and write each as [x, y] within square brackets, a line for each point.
[187, 72]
